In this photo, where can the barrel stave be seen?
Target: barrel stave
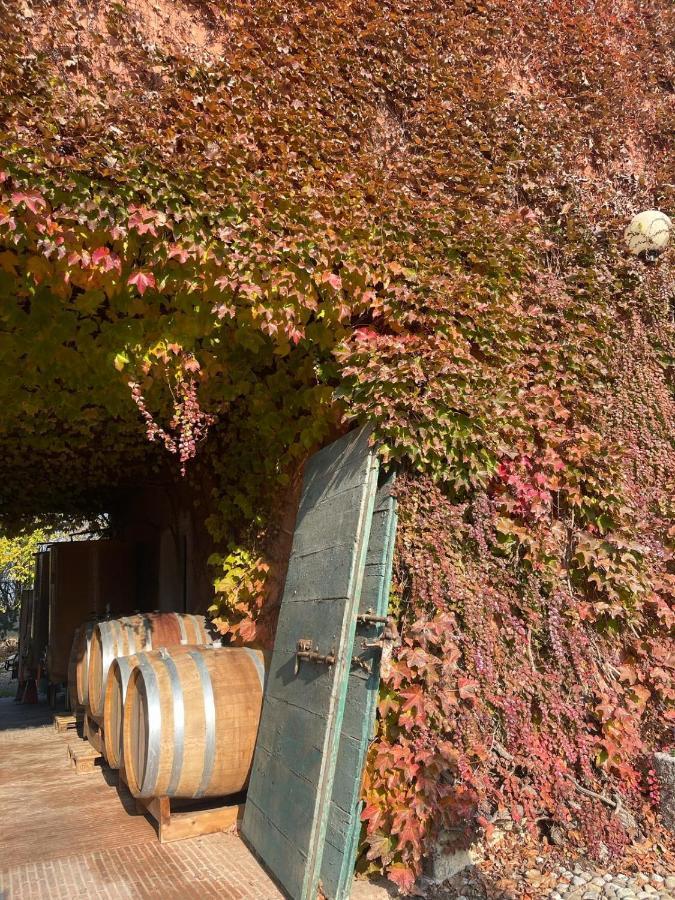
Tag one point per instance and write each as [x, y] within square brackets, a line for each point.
[82, 673]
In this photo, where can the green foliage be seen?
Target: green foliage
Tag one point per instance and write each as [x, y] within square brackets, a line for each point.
[17, 567]
[17, 556]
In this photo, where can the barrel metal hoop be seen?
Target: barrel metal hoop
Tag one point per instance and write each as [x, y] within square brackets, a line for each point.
[119, 641]
[183, 632]
[200, 631]
[254, 656]
[209, 721]
[125, 674]
[107, 654]
[154, 727]
[178, 725]
[84, 678]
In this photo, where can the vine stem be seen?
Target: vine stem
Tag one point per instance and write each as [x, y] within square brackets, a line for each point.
[592, 794]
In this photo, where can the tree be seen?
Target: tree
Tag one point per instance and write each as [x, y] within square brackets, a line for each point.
[17, 569]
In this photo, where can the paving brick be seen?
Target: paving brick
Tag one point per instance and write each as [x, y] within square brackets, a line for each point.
[75, 837]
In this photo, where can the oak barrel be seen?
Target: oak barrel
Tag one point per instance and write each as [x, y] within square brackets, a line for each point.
[191, 721]
[115, 695]
[132, 634]
[75, 657]
[78, 669]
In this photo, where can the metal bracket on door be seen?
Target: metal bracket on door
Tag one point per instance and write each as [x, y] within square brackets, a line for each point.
[389, 634]
[367, 663]
[306, 651]
[368, 618]
[386, 641]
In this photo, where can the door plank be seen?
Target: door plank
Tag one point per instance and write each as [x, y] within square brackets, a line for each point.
[344, 821]
[288, 800]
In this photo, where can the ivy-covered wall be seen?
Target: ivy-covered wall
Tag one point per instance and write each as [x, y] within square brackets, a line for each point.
[235, 229]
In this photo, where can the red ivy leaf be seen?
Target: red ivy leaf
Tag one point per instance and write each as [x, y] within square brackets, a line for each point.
[191, 365]
[247, 630]
[332, 279]
[179, 253]
[373, 815]
[467, 688]
[402, 876]
[411, 831]
[142, 280]
[32, 200]
[105, 259]
[366, 335]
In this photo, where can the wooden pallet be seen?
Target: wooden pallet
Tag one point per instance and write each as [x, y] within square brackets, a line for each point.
[93, 732]
[64, 722]
[83, 757]
[177, 824]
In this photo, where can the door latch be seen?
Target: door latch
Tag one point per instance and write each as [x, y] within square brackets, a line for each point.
[306, 651]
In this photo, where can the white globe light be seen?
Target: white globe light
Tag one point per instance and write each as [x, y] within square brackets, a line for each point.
[648, 232]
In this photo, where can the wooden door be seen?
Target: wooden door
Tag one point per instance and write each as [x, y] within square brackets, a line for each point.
[344, 818]
[288, 802]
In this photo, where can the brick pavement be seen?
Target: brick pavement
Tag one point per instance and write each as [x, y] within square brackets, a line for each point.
[216, 865]
[64, 835]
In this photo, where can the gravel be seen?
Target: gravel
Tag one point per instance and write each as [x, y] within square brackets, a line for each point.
[594, 884]
[578, 882]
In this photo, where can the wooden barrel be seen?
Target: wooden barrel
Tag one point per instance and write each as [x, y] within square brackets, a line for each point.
[115, 695]
[75, 656]
[191, 721]
[132, 634]
[78, 668]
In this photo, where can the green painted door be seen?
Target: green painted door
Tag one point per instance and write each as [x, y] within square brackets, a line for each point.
[291, 786]
[344, 818]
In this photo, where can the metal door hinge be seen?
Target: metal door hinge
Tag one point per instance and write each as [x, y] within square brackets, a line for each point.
[383, 644]
[368, 618]
[389, 635]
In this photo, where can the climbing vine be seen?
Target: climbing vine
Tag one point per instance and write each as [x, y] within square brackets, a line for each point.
[242, 228]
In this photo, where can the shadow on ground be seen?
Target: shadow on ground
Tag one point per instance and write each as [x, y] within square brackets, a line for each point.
[15, 715]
